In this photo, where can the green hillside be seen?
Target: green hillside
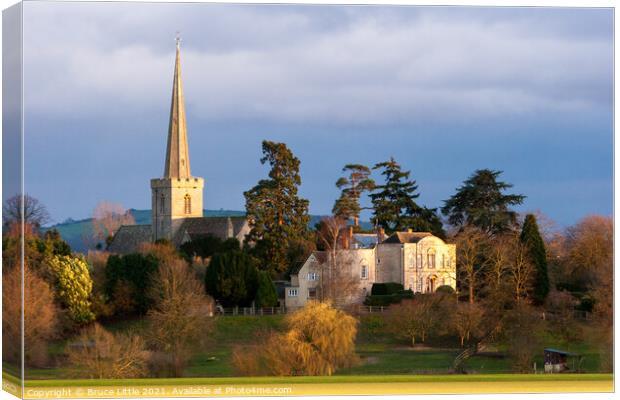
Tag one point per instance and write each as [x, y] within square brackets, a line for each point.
[77, 233]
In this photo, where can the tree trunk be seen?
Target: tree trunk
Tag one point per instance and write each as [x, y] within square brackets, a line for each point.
[471, 293]
[412, 340]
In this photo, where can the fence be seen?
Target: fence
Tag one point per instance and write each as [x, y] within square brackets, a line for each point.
[253, 311]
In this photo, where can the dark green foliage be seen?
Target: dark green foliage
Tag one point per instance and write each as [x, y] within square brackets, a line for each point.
[530, 236]
[137, 271]
[266, 295]
[278, 215]
[394, 206]
[387, 299]
[445, 289]
[348, 204]
[232, 279]
[207, 246]
[480, 202]
[58, 246]
[385, 288]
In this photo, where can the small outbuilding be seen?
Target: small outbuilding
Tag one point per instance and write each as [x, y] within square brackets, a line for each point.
[557, 361]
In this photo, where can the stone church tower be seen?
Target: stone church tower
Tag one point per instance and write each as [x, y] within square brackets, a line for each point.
[177, 195]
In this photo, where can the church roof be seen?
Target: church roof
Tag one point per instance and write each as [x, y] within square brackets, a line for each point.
[177, 154]
[407, 237]
[128, 238]
[220, 227]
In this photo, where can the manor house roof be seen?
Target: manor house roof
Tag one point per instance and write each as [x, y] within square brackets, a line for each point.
[407, 237]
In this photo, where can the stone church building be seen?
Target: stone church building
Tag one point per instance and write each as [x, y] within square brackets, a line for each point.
[176, 197]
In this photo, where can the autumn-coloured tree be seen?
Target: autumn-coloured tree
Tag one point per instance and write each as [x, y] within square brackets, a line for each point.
[319, 339]
[522, 271]
[107, 218]
[181, 317]
[99, 354]
[40, 315]
[560, 310]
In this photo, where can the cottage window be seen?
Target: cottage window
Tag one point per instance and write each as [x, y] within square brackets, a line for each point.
[292, 292]
[312, 293]
[188, 204]
[313, 276]
[364, 272]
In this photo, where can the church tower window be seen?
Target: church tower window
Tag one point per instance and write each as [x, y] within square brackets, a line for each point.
[188, 204]
[162, 204]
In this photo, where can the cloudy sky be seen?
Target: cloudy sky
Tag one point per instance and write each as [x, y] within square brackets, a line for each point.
[444, 90]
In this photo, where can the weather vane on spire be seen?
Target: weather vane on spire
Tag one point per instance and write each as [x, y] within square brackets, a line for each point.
[178, 38]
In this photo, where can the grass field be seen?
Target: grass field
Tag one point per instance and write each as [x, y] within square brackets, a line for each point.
[380, 354]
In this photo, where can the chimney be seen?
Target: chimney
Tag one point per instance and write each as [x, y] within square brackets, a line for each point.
[380, 235]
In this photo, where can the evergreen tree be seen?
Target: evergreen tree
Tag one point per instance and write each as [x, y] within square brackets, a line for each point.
[348, 204]
[132, 271]
[394, 203]
[232, 278]
[266, 294]
[480, 202]
[530, 237]
[278, 216]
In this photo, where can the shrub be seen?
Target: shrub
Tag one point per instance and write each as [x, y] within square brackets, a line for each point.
[385, 288]
[445, 289]
[73, 286]
[99, 354]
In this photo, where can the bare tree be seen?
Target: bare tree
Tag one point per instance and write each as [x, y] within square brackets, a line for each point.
[467, 321]
[470, 242]
[417, 318]
[33, 211]
[497, 261]
[107, 218]
[521, 273]
[181, 318]
[338, 281]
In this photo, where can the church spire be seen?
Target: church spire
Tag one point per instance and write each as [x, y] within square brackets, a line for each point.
[177, 154]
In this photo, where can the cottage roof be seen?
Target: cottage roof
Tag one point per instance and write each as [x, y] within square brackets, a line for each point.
[128, 238]
[407, 237]
[562, 352]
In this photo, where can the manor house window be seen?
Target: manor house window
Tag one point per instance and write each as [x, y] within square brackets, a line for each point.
[364, 272]
[443, 261]
[419, 260]
[431, 259]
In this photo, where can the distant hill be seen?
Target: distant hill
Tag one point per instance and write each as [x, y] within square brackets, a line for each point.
[74, 232]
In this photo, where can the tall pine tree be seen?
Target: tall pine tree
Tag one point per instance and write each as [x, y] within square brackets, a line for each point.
[530, 237]
[481, 203]
[278, 216]
[394, 203]
[348, 204]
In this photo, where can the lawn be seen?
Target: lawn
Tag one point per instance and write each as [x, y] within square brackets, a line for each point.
[380, 354]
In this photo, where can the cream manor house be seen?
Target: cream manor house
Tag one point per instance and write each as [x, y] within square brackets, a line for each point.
[417, 260]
